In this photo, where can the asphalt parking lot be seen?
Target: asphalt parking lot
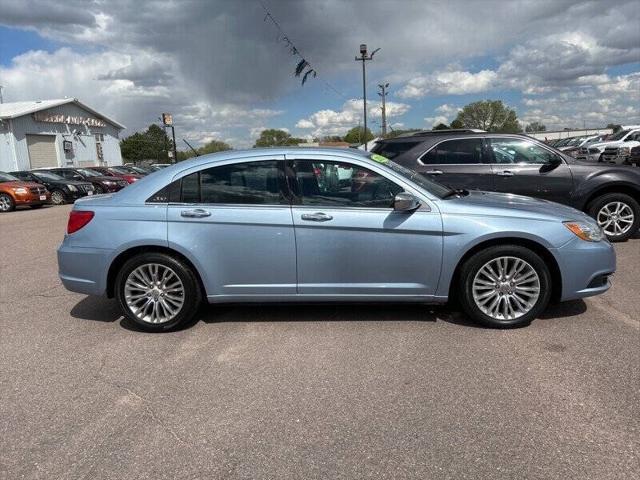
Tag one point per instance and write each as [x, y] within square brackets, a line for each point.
[308, 391]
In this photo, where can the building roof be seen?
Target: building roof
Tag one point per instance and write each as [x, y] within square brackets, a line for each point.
[19, 109]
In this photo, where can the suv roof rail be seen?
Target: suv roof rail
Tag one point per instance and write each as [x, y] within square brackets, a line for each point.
[441, 132]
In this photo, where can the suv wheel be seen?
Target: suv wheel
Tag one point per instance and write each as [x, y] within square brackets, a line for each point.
[6, 203]
[505, 286]
[157, 292]
[618, 215]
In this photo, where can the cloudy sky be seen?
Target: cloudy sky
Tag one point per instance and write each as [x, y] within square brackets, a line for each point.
[226, 73]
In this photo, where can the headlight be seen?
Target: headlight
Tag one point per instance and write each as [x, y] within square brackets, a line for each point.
[72, 188]
[20, 190]
[586, 231]
[109, 182]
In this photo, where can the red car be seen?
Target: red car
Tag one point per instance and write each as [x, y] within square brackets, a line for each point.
[118, 172]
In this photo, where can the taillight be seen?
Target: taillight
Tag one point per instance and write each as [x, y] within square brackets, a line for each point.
[78, 219]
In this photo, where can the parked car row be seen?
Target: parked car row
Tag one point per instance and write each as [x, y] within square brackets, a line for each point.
[58, 186]
[615, 148]
[517, 164]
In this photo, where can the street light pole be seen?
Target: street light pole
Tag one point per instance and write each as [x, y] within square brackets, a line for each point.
[363, 58]
[383, 94]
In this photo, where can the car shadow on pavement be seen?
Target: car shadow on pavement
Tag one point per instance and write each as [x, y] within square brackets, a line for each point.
[101, 309]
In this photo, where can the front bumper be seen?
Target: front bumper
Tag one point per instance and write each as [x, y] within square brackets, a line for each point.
[32, 199]
[585, 268]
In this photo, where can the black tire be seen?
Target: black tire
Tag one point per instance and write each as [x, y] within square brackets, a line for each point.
[97, 189]
[192, 293]
[473, 265]
[596, 210]
[6, 203]
[58, 197]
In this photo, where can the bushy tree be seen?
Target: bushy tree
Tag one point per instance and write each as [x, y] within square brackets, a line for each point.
[489, 115]
[211, 147]
[441, 126]
[457, 124]
[535, 127]
[358, 135]
[273, 137]
[152, 144]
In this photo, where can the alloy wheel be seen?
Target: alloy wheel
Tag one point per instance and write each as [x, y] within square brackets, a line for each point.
[615, 218]
[57, 198]
[5, 203]
[506, 288]
[154, 293]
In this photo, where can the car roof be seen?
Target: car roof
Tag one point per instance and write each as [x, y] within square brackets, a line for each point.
[443, 134]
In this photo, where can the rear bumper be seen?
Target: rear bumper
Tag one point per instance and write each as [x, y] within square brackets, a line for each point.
[83, 270]
[585, 267]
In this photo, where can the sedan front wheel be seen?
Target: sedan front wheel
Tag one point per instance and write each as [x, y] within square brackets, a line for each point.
[505, 286]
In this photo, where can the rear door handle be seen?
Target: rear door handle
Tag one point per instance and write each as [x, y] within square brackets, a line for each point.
[316, 217]
[505, 173]
[195, 213]
[434, 172]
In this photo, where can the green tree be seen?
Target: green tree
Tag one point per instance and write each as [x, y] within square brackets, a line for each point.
[535, 127]
[457, 124]
[489, 115]
[358, 135]
[273, 137]
[441, 126]
[211, 147]
[614, 127]
[332, 138]
[152, 144]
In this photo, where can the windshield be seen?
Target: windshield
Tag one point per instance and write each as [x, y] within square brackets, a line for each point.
[87, 172]
[431, 186]
[47, 176]
[121, 170]
[618, 136]
[5, 177]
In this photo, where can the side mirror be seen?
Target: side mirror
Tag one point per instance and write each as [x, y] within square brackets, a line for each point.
[405, 202]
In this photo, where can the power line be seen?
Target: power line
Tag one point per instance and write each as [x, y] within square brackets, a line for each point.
[303, 63]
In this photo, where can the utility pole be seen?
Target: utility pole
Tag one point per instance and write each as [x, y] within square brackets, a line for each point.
[383, 93]
[363, 58]
[167, 120]
[1, 101]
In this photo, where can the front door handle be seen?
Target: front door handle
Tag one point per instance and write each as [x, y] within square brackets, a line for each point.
[195, 213]
[434, 172]
[316, 217]
[505, 173]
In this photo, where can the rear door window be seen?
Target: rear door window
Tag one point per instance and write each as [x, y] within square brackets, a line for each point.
[464, 151]
[393, 149]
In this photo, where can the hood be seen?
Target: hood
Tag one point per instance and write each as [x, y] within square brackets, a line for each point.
[509, 205]
[21, 184]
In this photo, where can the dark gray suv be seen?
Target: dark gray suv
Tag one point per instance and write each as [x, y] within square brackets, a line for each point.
[522, 165]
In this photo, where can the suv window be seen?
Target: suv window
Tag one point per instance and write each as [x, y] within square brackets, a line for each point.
[519, 150]
[463, 151]
[393, 149]
[342, 185]
[254, 183]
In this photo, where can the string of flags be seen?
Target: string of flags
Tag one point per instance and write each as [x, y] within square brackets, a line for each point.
[303, 68]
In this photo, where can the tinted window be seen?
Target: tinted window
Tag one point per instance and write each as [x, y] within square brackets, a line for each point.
[255, 183]
[342, 184]
[393, 149]
[170, 193]
[455, 152]
[517, 150]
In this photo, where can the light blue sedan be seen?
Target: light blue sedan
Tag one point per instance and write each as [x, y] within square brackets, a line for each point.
[279, 225]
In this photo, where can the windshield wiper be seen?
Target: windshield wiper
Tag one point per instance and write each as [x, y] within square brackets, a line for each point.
[459, 192]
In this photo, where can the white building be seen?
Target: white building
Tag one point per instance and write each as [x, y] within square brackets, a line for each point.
[56, 133]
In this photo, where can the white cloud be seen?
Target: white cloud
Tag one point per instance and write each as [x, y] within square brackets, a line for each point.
[454, 82]
[331, 122]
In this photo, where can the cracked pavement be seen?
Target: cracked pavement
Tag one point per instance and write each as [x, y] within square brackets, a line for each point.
[308, 392]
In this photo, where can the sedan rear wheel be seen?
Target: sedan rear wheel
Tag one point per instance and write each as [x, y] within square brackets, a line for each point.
[6, 203]
[157, 291]
[505, 286]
